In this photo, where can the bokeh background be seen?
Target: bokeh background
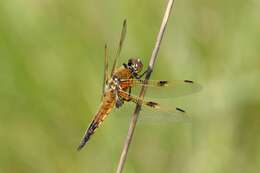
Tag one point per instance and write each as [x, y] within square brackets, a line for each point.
[51, 71]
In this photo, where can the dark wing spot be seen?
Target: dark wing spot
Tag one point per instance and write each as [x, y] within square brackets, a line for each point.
[188, 81]
[179, 109]
[152, 104]
[162, 83]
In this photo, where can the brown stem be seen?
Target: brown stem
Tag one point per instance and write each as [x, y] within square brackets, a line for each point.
[143, 90]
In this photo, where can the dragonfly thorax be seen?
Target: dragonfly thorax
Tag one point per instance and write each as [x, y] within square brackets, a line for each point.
[114, 83]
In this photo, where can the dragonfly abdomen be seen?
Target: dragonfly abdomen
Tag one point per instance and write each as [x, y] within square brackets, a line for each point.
[105, 108]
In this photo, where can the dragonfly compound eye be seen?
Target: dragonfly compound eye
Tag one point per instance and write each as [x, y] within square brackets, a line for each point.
[136, 64]
[130, 62]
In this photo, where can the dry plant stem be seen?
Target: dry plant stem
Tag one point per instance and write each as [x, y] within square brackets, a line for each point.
[143, 90]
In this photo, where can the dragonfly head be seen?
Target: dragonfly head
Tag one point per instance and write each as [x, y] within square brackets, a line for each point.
[135, 65]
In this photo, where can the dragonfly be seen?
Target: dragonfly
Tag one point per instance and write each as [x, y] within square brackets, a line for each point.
[117, 88]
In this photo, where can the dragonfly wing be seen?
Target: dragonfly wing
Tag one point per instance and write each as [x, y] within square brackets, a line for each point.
[164, 88]
[154, 112]
[105, 80]
[163, 115]
[121, 41]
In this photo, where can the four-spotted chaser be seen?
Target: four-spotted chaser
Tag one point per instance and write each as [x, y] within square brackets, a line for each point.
[117, 88]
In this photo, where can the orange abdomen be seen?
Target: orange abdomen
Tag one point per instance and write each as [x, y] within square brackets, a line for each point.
[106, 106]
[108, 102]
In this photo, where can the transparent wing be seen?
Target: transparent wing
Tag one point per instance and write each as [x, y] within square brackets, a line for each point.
[163, 88]
[163, 115]
[105, 80]
[154, 112]
[121, 41]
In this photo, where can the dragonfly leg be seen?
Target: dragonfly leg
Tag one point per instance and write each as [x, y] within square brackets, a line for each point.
[119, 102]
[119, 99]
[126, 96]
[140, 76]
[129, 91]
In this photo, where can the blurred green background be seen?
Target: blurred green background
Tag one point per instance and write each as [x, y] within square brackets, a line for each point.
[51, 71]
